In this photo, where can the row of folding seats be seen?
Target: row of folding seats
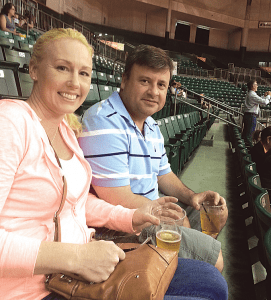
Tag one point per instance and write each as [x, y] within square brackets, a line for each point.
[104, 65]
[182, 135]
[20, 43]
[217, 89]
[98, 93]
[256, 201]
[105, 79]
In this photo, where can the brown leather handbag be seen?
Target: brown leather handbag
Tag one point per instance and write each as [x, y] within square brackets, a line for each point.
[145, 273]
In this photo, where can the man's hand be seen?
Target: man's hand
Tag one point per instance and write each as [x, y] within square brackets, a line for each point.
[199, 198]
[143, 218]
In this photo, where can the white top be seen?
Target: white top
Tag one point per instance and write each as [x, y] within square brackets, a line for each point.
[75, 175]
[252, 102]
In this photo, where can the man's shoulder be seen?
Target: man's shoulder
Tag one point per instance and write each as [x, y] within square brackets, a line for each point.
[103, 115]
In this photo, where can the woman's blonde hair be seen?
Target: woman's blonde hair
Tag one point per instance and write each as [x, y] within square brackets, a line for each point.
[55, 34]
[46, 38]
[73, 122]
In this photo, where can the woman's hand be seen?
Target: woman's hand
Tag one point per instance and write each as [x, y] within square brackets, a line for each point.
[142, 216]
[96, 260]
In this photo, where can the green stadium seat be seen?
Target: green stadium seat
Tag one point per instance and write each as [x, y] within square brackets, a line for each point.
[6, 34]
[172, 148]
[105, 91]
[101, 78]
[26, 84]
[8, 85]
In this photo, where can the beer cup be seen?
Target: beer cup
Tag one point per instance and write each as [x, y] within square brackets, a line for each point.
[168, 232]
[210, 217]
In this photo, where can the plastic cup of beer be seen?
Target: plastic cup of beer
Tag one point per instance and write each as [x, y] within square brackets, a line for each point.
[168, 232]
[210, 217]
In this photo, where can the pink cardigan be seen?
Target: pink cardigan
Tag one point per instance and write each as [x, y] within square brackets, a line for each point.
[30, 193]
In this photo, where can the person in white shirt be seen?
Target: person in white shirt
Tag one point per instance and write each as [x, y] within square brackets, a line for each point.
[251, 110]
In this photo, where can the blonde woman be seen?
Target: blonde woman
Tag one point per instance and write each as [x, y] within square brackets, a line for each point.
[33, 134]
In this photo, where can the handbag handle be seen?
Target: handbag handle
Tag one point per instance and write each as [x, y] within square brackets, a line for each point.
[57, 234]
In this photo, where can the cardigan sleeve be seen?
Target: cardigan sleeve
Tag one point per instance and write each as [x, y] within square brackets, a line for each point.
[17, 253]
[102, 214]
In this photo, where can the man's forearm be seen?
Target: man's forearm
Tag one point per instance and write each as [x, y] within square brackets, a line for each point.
[121, 196]
[170, 185]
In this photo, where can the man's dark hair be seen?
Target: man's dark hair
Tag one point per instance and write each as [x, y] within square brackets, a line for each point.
[266, 132]
[149, 56]
[6, 8]
[250, 84]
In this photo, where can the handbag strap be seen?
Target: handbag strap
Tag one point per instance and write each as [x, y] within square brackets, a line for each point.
[56, 219]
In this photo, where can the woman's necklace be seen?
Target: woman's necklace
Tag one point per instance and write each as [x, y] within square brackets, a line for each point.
[54, 136]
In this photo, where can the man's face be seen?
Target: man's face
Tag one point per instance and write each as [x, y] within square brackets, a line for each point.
[255, 86]
[144, 92]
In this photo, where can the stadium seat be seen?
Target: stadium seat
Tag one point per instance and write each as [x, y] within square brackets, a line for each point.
[105, 91]
[118, 80]
[111, 80]
[26, 47]
[101, 78]
[263, 213]
[8, 42]
[94, 77]
[23, 58]
[26, 83]
[8, 81]
[6, 34]
[172, 148]
[92, 97]
[182, 136]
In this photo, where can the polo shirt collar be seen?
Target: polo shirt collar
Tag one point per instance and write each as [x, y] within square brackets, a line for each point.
[119, 107]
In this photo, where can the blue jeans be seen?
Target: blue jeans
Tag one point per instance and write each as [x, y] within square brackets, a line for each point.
[193, 279]
[249, 122]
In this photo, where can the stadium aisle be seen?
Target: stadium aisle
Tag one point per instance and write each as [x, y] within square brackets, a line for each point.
[212, 167]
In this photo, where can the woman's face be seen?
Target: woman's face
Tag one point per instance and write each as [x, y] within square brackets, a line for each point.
[63, 76]
[11, 12]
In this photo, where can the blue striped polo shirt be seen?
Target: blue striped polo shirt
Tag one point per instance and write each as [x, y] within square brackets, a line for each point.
[118, 153]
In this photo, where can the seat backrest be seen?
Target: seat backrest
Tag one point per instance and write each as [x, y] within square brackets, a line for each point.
[169, 127]
[250, 170]
[255, 187]
[8, 85]
[162, 127]
[111, 79]
[7, 42]
[26, 84]
[118, 80]
[263, 209]
[6, 34]
[105, 91]
[94, 76]
[93, 94]
[175, 125]
[26, 47]
[23, 58]
[101, 77]
[187, 121]
[181, 123]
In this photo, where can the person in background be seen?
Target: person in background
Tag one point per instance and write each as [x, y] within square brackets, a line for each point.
[256, 137]
[33, 134]
[132, 166]
[251, 109]
[6, 18]
[27, 20]
[261, 155]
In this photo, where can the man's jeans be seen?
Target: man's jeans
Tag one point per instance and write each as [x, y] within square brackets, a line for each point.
[249, 122]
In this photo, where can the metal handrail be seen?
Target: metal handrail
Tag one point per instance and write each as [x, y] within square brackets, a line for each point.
[209, 113]
[216, 102]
